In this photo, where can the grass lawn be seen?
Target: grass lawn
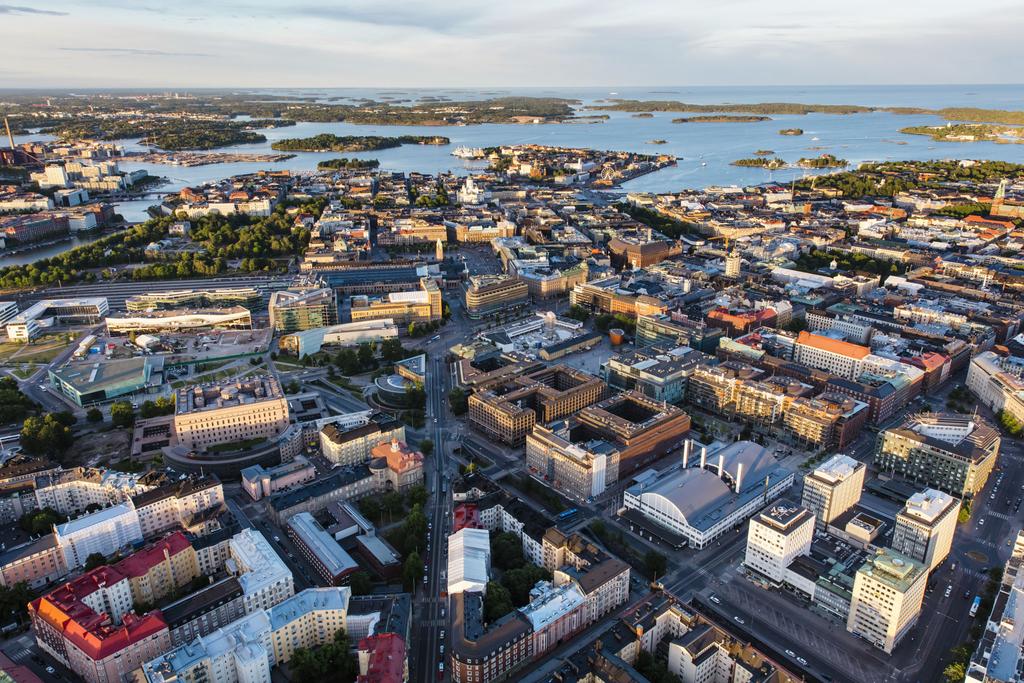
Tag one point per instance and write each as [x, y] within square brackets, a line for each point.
[24, 373]
[234, 445]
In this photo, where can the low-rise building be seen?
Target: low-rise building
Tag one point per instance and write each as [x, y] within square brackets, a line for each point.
[31, 322]
[259, 481]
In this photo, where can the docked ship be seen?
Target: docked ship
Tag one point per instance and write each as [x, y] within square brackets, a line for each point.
[468, 152]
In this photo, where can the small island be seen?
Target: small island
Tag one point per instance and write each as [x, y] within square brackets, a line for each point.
[344, 162]
[721, 118]
[761, 162]
[791, 131]
[328, 142]
[643, 115]
[659, 141]
[824, 161]
[764, 152]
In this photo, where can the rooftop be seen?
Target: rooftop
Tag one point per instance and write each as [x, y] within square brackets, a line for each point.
[831, 345]
[213, 396]
[336, 561]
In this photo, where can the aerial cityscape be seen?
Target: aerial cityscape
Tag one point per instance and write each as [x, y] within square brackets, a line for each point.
[342, 343]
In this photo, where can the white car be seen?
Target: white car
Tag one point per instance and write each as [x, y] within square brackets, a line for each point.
[981, 522]
[790, 653]
[803, 662]
[715, 599]
[50, 670]
[739, 620]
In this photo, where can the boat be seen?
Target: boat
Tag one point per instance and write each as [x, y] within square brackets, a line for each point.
[815, 138]
[468, 152]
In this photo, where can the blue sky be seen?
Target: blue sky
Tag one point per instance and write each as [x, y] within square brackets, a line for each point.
[456, 43]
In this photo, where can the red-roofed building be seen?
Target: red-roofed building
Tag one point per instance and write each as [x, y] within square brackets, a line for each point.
[159, 569]
[990, 223]
[466, 516]
[382, 659]
[405, 464]
[936, 368]
[740, 322]
[89, 626]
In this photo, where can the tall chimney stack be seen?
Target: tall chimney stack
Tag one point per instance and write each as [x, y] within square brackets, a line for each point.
[686, 452]
[739, 477]
[703, 456]
[721, 464]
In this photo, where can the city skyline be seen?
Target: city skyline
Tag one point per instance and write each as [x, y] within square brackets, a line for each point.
[462, 44]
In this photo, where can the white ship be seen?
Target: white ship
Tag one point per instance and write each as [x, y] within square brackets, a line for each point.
[468, 152]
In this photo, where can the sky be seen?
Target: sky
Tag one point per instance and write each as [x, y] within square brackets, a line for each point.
[508, 43]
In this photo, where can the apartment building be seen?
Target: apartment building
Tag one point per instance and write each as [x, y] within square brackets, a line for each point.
[331, 562]
[259, 481]
[37, 563]
[508, 412]
[829, 421]
[947, 451]
[422, 305]
[265, 579]
[204, 611]
[88, 625]
[305, 309]
[104, 531]
[159, 569]
[997, 657]
[404, 464]
[213, 414]
[669, 331]
[580, 469]
[887, 594]
[833, 488]
[490, 294]
[71, 491]
[775, 537]
[191, 503]
[925, 527]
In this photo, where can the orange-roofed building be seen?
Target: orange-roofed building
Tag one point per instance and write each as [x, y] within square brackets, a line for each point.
[405, 464]
[832, 355]
[88, 625]
[936, 368]
[740, 322]
[382, 659]
[159, 569]
[982, 222]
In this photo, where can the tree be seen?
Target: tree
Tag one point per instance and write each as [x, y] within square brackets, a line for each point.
[360, 583]
[506, 551]
[955, 672]
[656, 564]
[391, 350]
[418, 495]
[122, 414]
[577, 312]
[458, 401]
[365, 356]
[497, 601]
[45, 435]
[94, 415]
[412, 571]
[521, 581]
[94, 560]
[40, 522]
[329, 662]
[426, 446]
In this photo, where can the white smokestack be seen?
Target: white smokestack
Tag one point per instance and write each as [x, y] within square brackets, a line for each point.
[703, 456]
[686, 453]
[739, 477]
[721, 464]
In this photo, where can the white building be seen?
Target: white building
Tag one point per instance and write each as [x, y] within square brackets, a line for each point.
[265, 579]
[833, 488]
[706, 497]
[469, 561]
[832, 355]
[925, 527]
[777, 536]
[997, 659]
[30, 323]
[105, 532]
[887, 594]
[997, 384]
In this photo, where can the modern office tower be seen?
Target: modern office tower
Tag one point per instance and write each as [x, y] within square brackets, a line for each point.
[421, 305]
[303, 310]
[776, 536]
[887, 594]
[925, 527]
[833, 488]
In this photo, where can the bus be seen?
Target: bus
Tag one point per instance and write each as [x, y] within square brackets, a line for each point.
[975, 605]
[566, 514]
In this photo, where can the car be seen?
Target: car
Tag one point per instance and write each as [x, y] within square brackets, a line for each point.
[277, 539]
[442, 648]
[440, 667]
[803, 662]
[790, 653]
[715, 599]
[50, 670]
[967, 594]
[981, 522]
[739, 620]
[435, 420]
[424, 579]
[442, 634]
[442, 612]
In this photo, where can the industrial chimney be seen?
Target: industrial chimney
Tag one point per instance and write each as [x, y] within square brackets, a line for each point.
[739, 477]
